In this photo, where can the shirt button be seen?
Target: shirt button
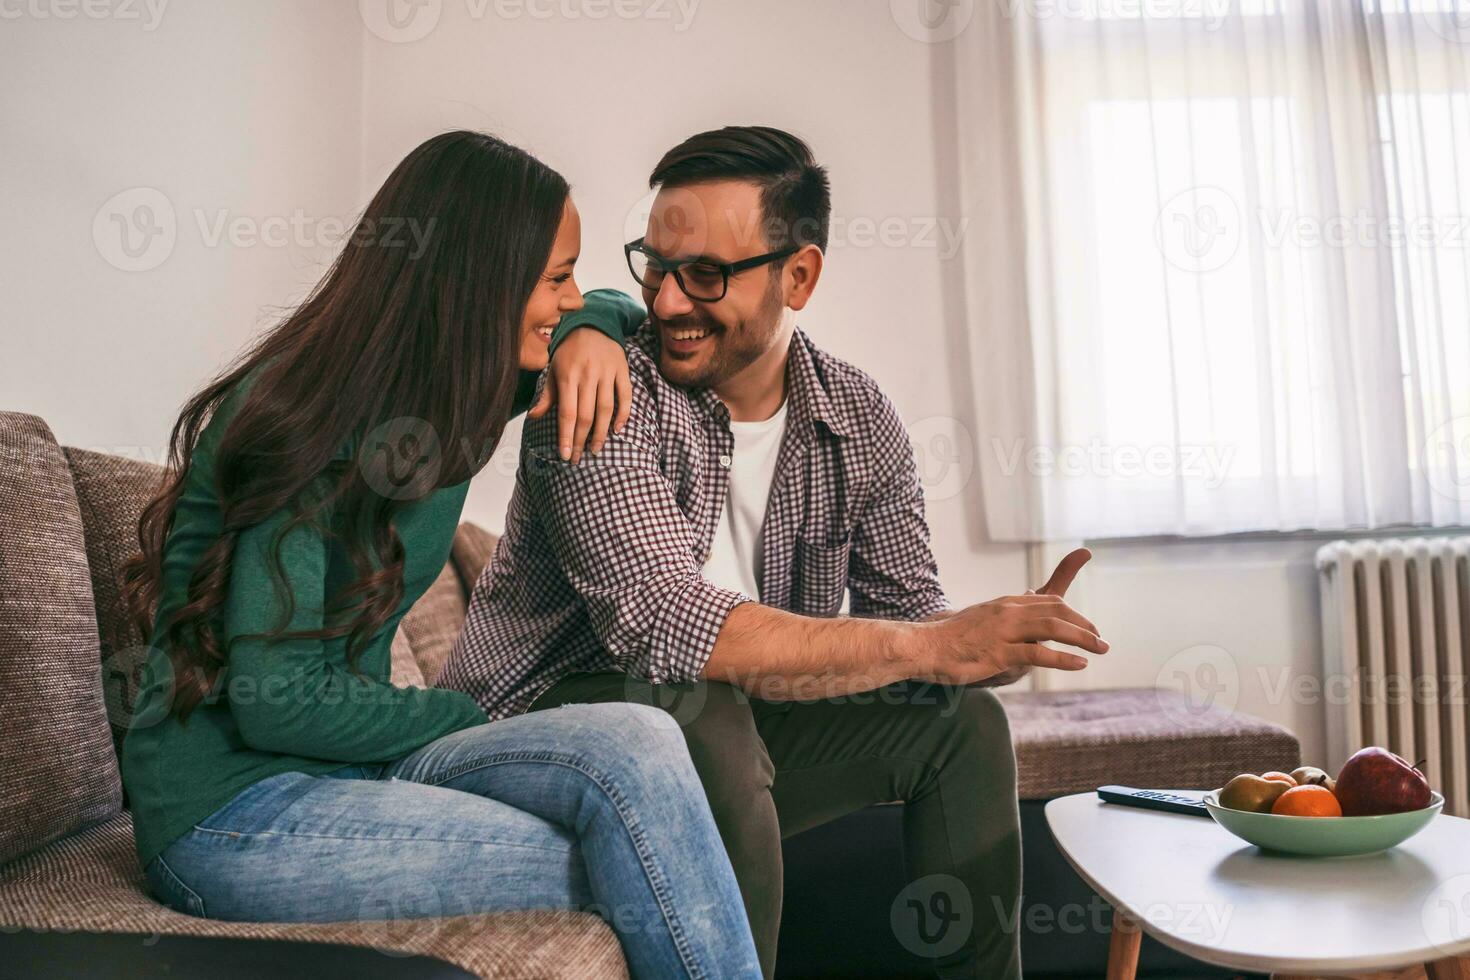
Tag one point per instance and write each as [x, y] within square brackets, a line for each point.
[725, 462]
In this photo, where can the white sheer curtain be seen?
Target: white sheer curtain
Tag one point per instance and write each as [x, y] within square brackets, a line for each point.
[1243, 300]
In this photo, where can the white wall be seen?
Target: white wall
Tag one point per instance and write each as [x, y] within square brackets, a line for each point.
[197, 110]
[1233, 623]
[270, 108]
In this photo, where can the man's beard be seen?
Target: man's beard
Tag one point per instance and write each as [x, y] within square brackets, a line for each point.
[733, 348]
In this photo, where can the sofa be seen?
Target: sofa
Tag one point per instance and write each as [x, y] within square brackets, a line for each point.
[73, 900]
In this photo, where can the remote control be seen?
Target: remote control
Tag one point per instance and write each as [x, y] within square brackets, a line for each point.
[1152, 799]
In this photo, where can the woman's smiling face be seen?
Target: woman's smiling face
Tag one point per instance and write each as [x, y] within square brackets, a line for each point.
[556, 292]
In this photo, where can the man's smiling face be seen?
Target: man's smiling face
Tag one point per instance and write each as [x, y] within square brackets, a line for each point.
[703, 344]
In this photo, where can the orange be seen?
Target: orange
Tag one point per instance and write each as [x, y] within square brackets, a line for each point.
[1281, 777]
[1307, 801]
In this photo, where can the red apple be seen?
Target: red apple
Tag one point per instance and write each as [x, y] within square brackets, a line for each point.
[1376, 781]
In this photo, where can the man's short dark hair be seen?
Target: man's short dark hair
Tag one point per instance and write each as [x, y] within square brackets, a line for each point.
[796, 201]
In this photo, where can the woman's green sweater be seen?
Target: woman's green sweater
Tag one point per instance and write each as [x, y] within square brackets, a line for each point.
[292, 705]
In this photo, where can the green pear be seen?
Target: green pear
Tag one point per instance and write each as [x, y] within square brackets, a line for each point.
[1251, 792]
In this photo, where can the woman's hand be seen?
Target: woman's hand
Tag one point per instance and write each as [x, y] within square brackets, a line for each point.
[589, 385]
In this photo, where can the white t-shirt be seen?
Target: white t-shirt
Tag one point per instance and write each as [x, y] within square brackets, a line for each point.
[735, 557]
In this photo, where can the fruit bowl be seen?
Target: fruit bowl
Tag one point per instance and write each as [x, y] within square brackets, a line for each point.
[1322, 836]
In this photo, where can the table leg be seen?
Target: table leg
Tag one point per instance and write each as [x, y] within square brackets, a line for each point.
[1453, 968]
[1123, 947]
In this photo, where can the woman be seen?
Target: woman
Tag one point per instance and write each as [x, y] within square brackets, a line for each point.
[274, 773]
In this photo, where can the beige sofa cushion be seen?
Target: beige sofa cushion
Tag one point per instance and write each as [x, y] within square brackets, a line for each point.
[473, 548]
[112, 492]
[58, 771]
[434, 621]
[405, 667]
[1075, 741]
[91, 882]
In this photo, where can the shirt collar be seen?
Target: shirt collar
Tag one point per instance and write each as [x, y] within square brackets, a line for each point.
[805, 390]
[806, 395]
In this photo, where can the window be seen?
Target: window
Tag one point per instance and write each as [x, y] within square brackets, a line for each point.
[1247, 266]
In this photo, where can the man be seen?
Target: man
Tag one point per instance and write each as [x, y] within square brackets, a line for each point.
[756, 467]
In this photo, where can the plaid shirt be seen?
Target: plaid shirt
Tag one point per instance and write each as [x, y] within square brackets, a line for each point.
[599, 568]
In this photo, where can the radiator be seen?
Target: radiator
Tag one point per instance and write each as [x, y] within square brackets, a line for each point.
[1396, 654]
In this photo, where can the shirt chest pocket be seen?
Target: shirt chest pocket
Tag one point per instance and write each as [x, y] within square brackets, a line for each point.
[821, 575]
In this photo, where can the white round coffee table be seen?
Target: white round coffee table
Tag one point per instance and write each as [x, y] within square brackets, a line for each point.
[1196, 888]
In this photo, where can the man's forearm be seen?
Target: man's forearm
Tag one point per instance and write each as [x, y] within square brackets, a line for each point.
[781, 656]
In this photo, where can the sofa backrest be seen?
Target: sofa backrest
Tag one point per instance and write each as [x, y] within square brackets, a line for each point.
[70, 653]
[111, 494]
[58, 768]
[429, 630]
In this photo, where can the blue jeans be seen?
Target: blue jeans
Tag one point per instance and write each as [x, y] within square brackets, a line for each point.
[591, 806]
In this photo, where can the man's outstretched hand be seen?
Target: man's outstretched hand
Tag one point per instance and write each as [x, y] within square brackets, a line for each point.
[998, 642]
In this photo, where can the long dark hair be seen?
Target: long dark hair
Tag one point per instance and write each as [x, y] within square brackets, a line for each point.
[418, 319]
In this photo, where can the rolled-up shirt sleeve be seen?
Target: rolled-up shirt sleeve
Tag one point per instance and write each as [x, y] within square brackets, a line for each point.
[615, 525]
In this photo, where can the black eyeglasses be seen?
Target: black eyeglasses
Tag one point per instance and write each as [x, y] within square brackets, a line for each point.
[702, 280]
